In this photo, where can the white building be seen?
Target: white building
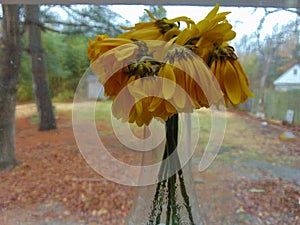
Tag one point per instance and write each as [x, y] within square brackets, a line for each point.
[290, 80]
[95, 89]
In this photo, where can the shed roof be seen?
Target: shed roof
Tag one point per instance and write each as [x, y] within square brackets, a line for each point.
[92, 77]
[291, 76]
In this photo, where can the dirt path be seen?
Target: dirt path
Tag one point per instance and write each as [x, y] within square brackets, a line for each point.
[27, 110]
[254, 179]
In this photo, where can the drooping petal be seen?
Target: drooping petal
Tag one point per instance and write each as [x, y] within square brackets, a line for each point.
[232, 84]
[169, 83]
[243, 79]
[187, 34]
[213, 12]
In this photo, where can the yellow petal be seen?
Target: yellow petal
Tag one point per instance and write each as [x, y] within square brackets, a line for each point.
[169, 83]
[202, 26]
[220, 29]
[169, 107]
[219, 17]
[186, 35]
[171, 33]
[213, 12]
[180, 101]
[229, 35]
[139, 108]
[232, 84]
[155, 104]
[243, 79]
[136, 88]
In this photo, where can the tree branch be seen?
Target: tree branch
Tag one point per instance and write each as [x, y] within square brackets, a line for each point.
[85, 20]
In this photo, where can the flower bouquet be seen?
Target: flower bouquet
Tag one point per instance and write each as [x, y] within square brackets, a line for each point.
[156, 70]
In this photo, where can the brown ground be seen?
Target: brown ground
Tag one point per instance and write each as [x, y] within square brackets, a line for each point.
[49, 186]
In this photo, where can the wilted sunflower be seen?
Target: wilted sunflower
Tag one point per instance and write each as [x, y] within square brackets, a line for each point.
[203, 72]
[214, 29]
[230, 75]
[141, 100]
[187, 70]
[110, 67]
[158, 29]
[103, 43]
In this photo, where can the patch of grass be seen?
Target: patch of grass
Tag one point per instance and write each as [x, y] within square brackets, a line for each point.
[234, 155]
[283, 160]
[249, 154]
[64, 96]
[34, 120]
[103, 109]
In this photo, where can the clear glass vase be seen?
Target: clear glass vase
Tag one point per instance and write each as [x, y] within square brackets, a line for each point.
[172, 200]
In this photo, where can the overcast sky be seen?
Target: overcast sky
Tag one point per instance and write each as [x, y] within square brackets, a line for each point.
[244, 20]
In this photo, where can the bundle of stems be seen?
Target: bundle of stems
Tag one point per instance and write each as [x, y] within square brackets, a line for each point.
[166, 194]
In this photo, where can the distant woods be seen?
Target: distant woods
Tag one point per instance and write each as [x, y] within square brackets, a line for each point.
[266, 58]
[64, 38]
[43, 56]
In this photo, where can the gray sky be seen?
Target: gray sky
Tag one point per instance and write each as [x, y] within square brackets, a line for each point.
[244, 20]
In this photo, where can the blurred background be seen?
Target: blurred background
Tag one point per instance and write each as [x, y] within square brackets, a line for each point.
[44, 180]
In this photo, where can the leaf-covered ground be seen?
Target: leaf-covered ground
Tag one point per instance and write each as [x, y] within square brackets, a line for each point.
[254, 180]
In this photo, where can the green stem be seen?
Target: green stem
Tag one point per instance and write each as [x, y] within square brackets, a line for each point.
[168, 213]
[157, 204]
[166, 187]
[171, 142]
[185, 197]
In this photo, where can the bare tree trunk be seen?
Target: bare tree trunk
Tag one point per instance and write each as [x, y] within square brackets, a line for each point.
[10, 64]
[262, 83]
[266, 71]
[268, 54]
[39, 70]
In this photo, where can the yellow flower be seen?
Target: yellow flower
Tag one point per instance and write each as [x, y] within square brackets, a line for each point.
[148, 33]
[212, 19]
[187, 70]
[186, 35]
[230, 75]
[120, 104]
[157, 29]
[115, 84]
[163, 110]
[102, 44]
[140, 101]
[200, 74]
[110, 67]
[214, 29]
[143, 91]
